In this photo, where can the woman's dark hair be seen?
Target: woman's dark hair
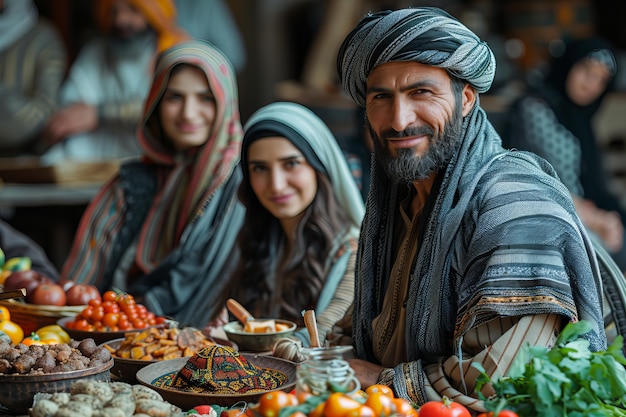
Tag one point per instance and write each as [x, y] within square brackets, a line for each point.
[261, 241]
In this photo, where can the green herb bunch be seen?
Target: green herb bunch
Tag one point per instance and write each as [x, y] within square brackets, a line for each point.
[566, 380]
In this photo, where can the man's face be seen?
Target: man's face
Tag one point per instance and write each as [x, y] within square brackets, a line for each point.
[128, 22]
[414, 118]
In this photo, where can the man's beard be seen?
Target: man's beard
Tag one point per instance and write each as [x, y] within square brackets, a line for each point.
[406, 167]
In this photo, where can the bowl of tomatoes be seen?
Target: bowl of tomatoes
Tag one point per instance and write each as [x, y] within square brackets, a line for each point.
[111, 318]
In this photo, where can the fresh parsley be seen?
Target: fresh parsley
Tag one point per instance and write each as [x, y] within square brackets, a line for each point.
[567, 380]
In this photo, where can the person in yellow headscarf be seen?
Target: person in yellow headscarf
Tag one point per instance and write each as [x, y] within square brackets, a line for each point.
[103, 95]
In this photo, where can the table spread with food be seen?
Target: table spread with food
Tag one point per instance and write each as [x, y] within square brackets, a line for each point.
[68, 350]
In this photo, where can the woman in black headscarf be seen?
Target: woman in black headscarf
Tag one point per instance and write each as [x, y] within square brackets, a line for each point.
[554, 120]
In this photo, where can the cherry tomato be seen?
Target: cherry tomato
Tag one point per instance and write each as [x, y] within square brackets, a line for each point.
[270, 403]
[380, 403]
[82, 324]
[443, 408]
[318, 411]
[97, 314]
[95, 302]
[109, 296]
[110, 319]
[32, 340]
[403, 408]
[380, 388]
[338, 405]
[363, 411]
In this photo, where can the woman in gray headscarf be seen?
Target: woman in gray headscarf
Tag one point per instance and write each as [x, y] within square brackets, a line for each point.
[303, 213]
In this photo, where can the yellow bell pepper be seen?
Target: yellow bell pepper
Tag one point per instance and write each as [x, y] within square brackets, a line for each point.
[5, 314]
[53, 333]
[13, 330]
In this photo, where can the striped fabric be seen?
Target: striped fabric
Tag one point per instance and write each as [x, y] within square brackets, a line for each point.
[501, 244]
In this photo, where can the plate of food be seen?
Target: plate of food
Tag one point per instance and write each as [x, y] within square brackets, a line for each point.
[218, 375]
[138, 349]
[99, 337]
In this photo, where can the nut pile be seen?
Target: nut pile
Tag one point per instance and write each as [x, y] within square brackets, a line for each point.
[43, 359]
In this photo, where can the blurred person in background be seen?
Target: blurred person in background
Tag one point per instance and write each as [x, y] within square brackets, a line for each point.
[104, 92]
[554, 119]
[213, 21]
[33, 61]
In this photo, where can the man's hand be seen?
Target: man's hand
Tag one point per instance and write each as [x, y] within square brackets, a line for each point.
[366, 372]
[606, 224]
[215, 327]
[71, 120]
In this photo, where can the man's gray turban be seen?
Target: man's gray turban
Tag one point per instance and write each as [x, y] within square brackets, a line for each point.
[427, 35]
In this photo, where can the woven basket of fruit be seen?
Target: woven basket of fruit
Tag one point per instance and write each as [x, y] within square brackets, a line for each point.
[46, 301]
[30, 317]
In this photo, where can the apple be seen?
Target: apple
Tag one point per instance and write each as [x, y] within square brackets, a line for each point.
[48, 294]
[80, 294]
[29, 279]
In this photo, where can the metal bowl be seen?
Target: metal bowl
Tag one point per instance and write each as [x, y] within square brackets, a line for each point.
[187, 400]
[17, 391]
[256, 342]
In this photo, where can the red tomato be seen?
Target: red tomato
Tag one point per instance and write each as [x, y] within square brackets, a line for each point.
[270, 403]
[503, 413]
[203, 409]
[49, 294]
[443, 408]
[81, 294]
[338, 405]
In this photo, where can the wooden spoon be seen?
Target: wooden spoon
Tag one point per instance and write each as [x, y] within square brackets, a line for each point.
[311, 326]
[5, 295]
[239, 311]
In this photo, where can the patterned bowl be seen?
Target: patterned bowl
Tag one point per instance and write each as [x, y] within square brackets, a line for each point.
[150, 374]
[17, 391]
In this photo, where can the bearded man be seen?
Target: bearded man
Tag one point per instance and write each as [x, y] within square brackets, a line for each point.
[467, 251]
[104, 92]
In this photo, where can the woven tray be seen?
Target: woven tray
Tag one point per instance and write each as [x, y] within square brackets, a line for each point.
[30, 317]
